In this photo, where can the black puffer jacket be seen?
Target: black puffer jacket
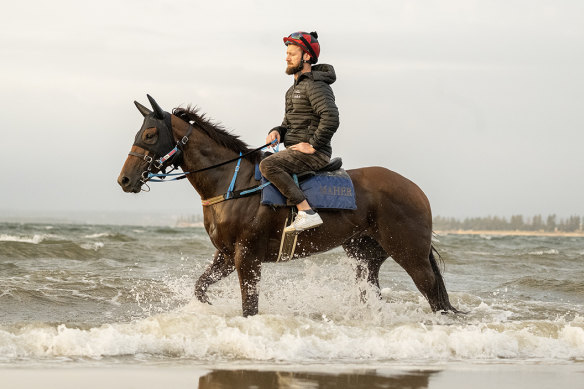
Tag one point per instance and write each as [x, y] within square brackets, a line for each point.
[311, 113]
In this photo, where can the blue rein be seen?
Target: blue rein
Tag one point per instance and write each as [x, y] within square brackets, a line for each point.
[160, 177]
[231, 194]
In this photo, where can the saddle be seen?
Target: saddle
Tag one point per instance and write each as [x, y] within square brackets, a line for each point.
[328, 188]
[334, 164]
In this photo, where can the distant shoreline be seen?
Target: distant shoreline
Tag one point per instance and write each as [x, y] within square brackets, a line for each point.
[510, 233]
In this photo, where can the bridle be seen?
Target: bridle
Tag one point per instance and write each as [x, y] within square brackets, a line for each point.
[174, 157]
[156, 155]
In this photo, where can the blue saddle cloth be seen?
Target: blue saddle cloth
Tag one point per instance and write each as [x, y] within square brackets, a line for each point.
[333, 190]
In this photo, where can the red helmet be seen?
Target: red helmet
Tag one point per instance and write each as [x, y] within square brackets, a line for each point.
[307, 42]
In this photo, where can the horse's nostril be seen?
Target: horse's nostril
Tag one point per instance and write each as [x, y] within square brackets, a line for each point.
[125, 181]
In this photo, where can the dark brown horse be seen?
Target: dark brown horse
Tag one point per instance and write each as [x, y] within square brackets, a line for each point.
[392, 219]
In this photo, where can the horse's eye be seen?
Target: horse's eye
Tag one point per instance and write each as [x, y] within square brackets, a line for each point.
[150, 136]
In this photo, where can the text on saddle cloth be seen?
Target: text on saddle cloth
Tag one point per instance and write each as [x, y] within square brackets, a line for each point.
[324, 190]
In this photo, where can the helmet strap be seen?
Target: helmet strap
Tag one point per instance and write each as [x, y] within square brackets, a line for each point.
[308, 47]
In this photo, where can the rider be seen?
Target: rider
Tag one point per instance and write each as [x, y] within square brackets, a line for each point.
[310, 120]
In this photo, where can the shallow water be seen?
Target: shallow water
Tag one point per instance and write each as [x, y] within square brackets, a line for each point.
[111, 295]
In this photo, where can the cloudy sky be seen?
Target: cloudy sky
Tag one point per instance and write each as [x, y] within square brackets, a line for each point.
[481, 103]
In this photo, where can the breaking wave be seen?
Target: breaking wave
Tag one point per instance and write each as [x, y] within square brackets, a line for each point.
[35, 239]
[207, 333]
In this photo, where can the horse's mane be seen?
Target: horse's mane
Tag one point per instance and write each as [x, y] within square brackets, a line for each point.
[215, 131]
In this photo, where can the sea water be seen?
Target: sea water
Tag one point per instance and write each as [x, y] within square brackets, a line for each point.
[107, 295]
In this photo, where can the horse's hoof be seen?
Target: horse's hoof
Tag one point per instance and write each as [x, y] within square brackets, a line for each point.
[452, 310]
[202, 297]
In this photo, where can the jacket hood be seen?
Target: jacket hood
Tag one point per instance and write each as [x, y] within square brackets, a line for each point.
[323, 72]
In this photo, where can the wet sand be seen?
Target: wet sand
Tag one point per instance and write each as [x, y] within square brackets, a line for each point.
[451, 377]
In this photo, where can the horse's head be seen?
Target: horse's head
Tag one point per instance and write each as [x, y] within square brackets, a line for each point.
[150, 151]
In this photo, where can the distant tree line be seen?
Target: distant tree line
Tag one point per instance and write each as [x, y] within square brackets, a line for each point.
[516, 222]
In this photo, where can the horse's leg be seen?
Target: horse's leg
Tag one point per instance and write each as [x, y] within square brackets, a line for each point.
[220, 268]
[248, 265]
[414, 254]
[440, 295]
[428, 279]
[369, 256]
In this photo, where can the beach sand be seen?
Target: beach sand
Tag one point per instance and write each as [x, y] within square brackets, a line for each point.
[508, 233]
[499, 376]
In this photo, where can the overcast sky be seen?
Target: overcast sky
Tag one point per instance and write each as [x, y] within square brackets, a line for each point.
[481, 103]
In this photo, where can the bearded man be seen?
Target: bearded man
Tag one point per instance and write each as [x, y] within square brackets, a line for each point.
[310, 120]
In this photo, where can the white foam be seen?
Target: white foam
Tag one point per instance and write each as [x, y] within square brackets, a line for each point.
[95, 246]
[99, 235]
[545, 252]
[213, 333]
[35, 239]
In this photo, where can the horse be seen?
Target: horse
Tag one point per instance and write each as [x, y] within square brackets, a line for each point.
[393, 216]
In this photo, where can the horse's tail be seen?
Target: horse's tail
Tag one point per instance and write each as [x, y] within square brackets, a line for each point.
[442, 301]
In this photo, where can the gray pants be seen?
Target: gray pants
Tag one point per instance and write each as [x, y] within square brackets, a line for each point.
[279, 167]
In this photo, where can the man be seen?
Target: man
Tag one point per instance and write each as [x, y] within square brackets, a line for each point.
[310, 120]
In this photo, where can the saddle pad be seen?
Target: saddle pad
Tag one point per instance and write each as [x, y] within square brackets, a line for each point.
[332, 190]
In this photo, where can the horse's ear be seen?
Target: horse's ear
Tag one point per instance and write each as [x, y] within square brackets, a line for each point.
[143, 110]
[158, 112]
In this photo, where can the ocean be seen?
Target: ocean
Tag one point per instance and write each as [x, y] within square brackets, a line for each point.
[108, 295]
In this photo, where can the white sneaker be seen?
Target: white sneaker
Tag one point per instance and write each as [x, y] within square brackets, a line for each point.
[303, 222]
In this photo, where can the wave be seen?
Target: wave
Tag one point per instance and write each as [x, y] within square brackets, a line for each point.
[93, 246]
[117, 237]
[49, 249]
[35, 239]
[549, 284]
[545, 252]
[168, 230]
[210, 333]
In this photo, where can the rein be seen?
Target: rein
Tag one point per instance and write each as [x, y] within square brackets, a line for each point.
[230, 194]
[174, 157]
[182, 175]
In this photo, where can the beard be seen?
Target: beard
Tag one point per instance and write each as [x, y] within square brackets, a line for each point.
[291, 69]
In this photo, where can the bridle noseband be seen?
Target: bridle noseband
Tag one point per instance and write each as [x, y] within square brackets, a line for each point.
[155, 154]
